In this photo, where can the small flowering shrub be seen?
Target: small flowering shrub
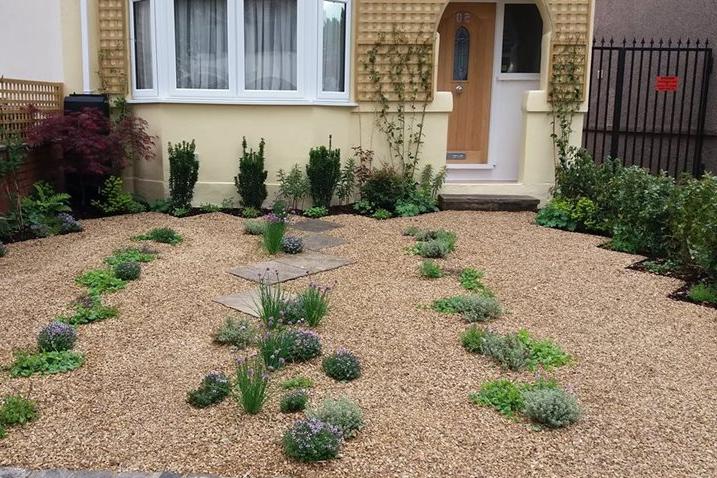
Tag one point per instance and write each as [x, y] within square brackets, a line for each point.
[163, 235]
[254, 227]
[294, 401]
[131, 254]
[68, 224]
[312, 440]
[213, 389]
[306, 344]
[240, 333]
[297, 382]
[292, 244]
[342, 365]
[251, 385]
[273, 233]
[88, 309]
[552, 407]
[128, 271]
[343, 413]
[315, 303]
[56, 337]
[100, 281]
[431, 270]
[292, 311]
[45, 363]
[276, 348]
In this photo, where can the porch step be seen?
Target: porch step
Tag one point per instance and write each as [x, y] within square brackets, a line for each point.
[487, 202]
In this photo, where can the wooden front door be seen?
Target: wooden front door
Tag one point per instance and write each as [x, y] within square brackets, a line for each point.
[465, 67]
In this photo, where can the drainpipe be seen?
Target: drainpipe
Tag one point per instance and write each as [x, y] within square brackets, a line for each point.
[85, 29]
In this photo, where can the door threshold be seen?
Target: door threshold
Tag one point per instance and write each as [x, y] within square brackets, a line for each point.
[469, 166]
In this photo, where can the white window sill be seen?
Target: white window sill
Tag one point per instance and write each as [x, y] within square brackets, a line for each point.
[243, 101]
[469, 166]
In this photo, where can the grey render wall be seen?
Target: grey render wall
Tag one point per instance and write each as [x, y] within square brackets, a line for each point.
[694, 19]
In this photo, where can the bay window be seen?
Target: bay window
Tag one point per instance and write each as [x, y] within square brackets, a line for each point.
[253, 51]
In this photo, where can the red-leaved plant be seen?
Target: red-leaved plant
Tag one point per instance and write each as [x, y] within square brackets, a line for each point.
[92, 144]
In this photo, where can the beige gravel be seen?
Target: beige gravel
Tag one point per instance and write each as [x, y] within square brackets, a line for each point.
[645, 370]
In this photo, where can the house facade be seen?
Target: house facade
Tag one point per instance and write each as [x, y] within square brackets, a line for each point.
[295, 72]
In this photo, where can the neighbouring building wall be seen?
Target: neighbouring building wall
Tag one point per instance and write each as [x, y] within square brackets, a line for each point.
[666, 19]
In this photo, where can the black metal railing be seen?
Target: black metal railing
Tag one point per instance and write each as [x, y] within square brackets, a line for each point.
[648, 103]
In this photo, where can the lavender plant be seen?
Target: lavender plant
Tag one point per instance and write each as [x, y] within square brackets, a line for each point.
[56, 337]
[552, 407]
[342, 365]
[251, 385]
[312, 440]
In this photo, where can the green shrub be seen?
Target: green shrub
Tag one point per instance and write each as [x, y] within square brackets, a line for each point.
[472, 340]
[342, 412]
[254, 227]
[407, 209]
[240, 333]
[431, 270]
[250, 213]
[115, 200]
[503, 395]
[364, 207]
[276, 348]
[250, 182]
[128, 271]
[183, 174]
[316, 212]
[100, 281]
[342, 365]
[507, 350]
[294, 186]
[551, 407]
[56, 337]
[251, 384]
[297, 382]
[474, 307]
[312, 440]
[543, 353]
[39, 211]
[703, 293]
[209, 208]
[45, 363]
[434, 249]
[87, 310]
[471, 280]
[305, 345]
[558, 214]
[347, 182]
[131, 254]
[294, 401]
[382, 214]
[17, 411]
[164, 235]
[411, 231]
[324, 173]
[213, 389]
[384, 188]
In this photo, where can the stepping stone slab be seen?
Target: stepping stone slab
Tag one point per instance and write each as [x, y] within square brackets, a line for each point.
[316, 242]
[245, 302]
[277, 272]
[315, 225]
[314, 262]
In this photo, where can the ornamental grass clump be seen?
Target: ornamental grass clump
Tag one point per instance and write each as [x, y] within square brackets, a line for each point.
[276, 348]
[306, 344]
[292, 244]
[213, 389]
[294, 401]
[312, 440]
[56, 337]
[240, 333]
[251, 385]
[342, 412]
[552, 407]
[315, 303]
[271, 302]
[273, 233]
[342, 365]
[127, 271]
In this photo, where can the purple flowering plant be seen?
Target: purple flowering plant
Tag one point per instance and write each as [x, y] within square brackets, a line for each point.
[342, 365]
[306, 344]
[311, 440]
[56, 337]
[251, 384]
[276, 348]
[213, 389]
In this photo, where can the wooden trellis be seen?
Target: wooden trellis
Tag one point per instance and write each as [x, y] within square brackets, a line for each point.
[113, 66]
[24, 103]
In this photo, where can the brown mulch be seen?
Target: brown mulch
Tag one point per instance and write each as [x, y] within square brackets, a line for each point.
[644, 370]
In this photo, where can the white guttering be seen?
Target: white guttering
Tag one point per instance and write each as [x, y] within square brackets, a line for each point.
[85, 28]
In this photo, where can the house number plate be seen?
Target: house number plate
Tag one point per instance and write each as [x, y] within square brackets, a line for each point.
[455, 156]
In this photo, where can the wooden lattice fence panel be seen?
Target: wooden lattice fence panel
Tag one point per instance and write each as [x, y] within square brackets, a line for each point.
[113, 56]
[24, 103]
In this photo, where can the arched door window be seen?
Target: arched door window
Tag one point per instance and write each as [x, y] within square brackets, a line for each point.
[461, 52]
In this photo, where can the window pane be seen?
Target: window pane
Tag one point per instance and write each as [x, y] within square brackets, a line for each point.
[334, 47]
[461, 54]
[522, 37]
[143, 45]
[270, 44]
[200, 28]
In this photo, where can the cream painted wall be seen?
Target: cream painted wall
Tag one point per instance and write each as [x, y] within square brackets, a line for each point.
[31, 45]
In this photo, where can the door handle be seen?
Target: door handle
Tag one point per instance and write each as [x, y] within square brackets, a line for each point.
[459, 89]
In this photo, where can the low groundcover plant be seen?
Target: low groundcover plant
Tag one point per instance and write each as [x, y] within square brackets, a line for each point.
[311, 440]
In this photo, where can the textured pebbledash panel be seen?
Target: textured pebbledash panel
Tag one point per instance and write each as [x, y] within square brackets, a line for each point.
[419, 18]
[113, 44]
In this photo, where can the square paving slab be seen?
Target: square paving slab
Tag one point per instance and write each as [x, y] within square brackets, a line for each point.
[315, 225]
[277, 272]
[245, 302]
[314, 262]
[316, 242]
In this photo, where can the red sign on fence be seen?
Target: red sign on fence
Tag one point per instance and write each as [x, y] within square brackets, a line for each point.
[667, 84]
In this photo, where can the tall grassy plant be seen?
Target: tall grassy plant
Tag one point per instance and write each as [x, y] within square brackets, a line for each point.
[250, 182]
[183, 174]
[251, 385]
[315, 303]
[324, 172]
[273, 235]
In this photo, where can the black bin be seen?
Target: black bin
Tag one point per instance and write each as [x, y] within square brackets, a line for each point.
[78, 102]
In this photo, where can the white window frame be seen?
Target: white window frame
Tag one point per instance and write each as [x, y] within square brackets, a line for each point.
[500, 20]
[144, 92]
[309, 76]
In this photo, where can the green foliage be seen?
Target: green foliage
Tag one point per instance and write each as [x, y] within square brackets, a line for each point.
[316, 212]
[115, 200]
[276, 348]
[127, 271]
[45, 363]
[551, 407]
[384, 188]
[250, 212]
[213, 389]
[131, 254]
[703, 293]
[507, 350]
[474, 307]
[342, 412]
[305, 345]
[342, 365]
[89, 309]
[422, 198]
[251, 385]
[273, 236]
[312, 440]
[17, 411]
[100, 281]
[558, 214]
[506, 396]
[271, 303]
[662, 266]
[407, 209]
[347, 182]
[433, 249]
[164, 235]
[382, 214]
[297, 383]
[209, 208]
[471, 279]
[294, 401]
[183, 174]
[472, 340]
[251, 181]
[324, 173]
[314, 301]
[430, 185]
[430, 269]
[39, 212]
[240, 333]
[544, 353]
[254, 227]
[294, 186]
[364, 207]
